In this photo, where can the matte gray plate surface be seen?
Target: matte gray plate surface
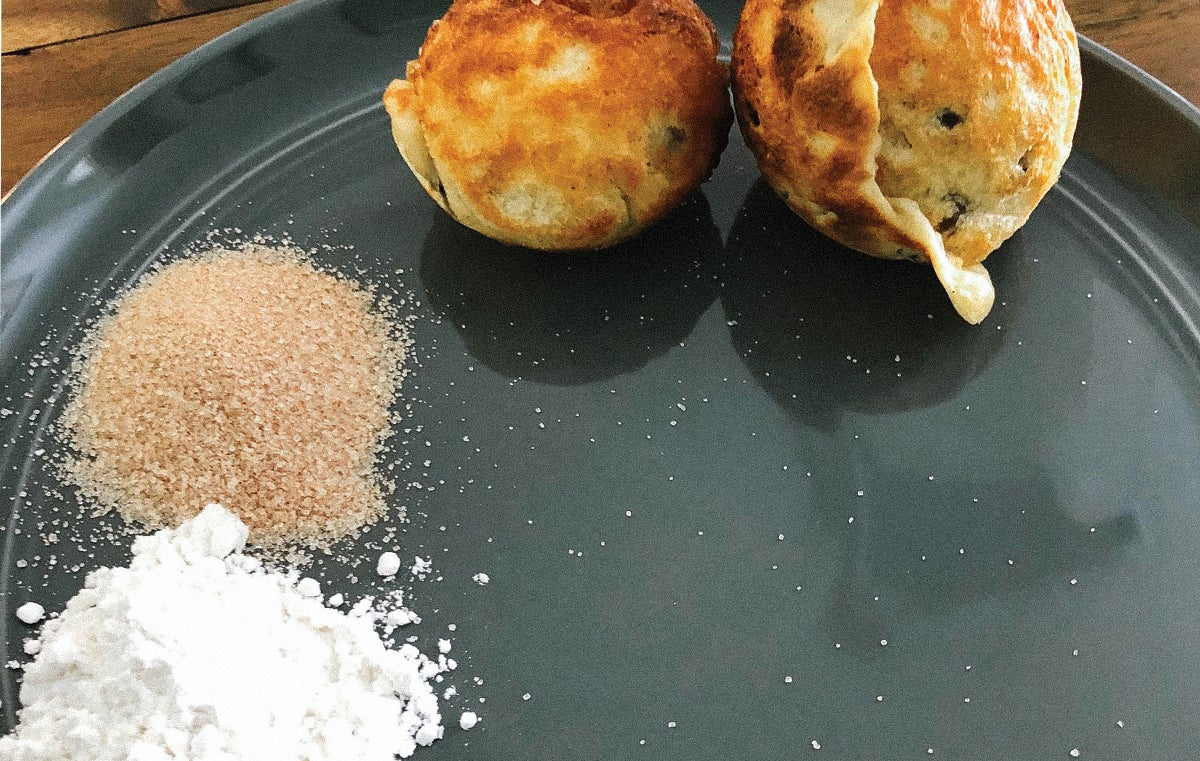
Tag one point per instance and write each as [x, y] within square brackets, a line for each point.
[1012, 507]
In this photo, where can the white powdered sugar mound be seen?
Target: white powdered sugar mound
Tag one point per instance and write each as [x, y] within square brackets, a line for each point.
[196, 652]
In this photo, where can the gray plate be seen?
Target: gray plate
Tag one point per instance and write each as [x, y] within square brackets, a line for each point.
[711, 378]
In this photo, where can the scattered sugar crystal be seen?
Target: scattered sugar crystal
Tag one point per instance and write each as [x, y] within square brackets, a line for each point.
[308, 587]
[388, 564]
[335, 601]
[31, 613]
[468, 719]
[444, 646]
[421, 567]
[402, 617]
[482, 578]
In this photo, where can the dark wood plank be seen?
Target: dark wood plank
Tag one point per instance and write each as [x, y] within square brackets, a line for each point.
[33, 23]
[1096, 15]
[1160, 36]
[49, 92]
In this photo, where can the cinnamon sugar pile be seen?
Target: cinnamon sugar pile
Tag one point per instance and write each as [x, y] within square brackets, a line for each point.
[246, 377]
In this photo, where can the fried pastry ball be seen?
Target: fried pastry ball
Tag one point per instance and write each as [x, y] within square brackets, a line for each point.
[911, 129]
[563, 124]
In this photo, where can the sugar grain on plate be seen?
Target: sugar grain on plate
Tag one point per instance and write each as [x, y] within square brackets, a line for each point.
[31, 613]
[388, 564]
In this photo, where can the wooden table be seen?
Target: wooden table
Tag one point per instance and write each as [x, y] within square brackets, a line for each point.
[64, 60]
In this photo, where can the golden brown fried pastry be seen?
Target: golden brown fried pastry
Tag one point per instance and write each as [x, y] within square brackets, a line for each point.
[563, 124]
[911, 129]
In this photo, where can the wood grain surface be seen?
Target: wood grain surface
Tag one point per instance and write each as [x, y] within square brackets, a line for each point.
[31, 23]
[50, 91]
[1160, 36]
[64, 60]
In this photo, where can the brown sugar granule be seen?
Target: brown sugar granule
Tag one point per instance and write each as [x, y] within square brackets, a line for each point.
[246, 377]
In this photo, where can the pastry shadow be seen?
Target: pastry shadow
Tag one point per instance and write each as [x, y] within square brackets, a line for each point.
[827, 330]
[931, 558]
[573, 318]
[833, 336]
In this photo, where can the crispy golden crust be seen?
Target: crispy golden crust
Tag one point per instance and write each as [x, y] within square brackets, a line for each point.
[564, 124]
[919, 129]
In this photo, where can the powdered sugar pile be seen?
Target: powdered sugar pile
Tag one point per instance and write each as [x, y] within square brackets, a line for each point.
[195, 651]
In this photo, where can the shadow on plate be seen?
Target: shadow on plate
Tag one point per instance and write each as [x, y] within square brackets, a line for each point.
[931, 558]
[826, 330]
[574, 318]
[829, 332]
